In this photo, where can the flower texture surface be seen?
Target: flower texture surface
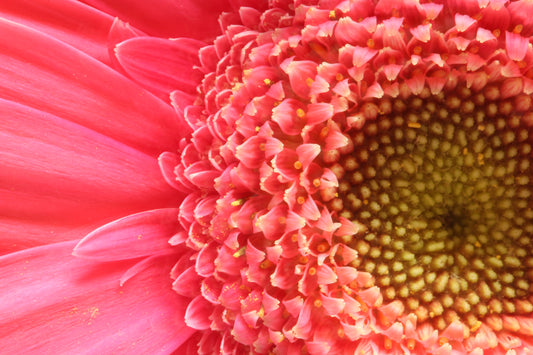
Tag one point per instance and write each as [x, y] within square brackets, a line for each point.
[300, 177]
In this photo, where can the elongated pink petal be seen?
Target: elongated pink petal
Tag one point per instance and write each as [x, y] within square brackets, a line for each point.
[19, 234]
[120, 31]
[61, 19]
[142, 234]
[56, 169]
[169, 18]
[161, 65]
[71, 305]
[84, 90]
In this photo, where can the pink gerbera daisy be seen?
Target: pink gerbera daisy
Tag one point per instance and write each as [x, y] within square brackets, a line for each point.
[302, 176]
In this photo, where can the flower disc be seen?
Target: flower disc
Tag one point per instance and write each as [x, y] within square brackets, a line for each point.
[442, 185]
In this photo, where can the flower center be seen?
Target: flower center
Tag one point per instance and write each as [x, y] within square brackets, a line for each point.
[441, 184]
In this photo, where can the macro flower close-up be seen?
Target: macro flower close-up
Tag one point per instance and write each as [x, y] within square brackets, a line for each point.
[266, 177]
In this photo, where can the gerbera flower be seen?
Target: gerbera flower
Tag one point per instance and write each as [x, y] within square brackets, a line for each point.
[335, 177]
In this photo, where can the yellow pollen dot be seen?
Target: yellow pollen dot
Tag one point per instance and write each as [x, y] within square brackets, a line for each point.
[297, 165]
[300, 200]
[300, 113]
[518, 28]
[387, 343]
[257, 128]
[481, 127]
[303, 259]
[339, 77]
[465, 151]
[477, 244]
[267, 81]
[496, 32]
[414, 125]
[480, 159]
[282, 220]
[476, 326]
[317, 303]
[240, 252]
[309, 82]
[370, 43]
[340, 332]
[324, 132]
[332, 15]
[365, 202]
[262, 147]
[417, 50]
[294, 237]
[316, 182]
[322, 247]
[247, 72]
[265, 264]
[238, 202]
[312, 271]
[443, 340]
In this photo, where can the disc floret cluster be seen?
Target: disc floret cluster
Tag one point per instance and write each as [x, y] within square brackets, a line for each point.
[372, 179]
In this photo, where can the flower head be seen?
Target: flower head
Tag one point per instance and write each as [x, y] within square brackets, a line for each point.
[354, 177]
[371, 168]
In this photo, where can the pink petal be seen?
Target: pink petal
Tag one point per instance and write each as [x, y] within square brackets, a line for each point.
[168, 18]
[242, 332]
[36, 232]
[255, 150]
[61, 19]
[167, 163]
[422, 33]
[455, 331]
[346, 274]
[290, 116]
[120, 31]
[142, 234]
[516, 46]
[188, 283]
[332, 305]
[483, 35]
[59, 171]
[85, 91]
[161, 65]
[463, 22]
[139, 267]
[318, 113]
[395, 332]
[361, 55]
[76, 306]
[198, 312]
[326, 275]
[301, 75]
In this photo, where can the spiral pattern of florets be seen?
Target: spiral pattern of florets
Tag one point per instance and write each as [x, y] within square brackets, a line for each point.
[372, 190]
